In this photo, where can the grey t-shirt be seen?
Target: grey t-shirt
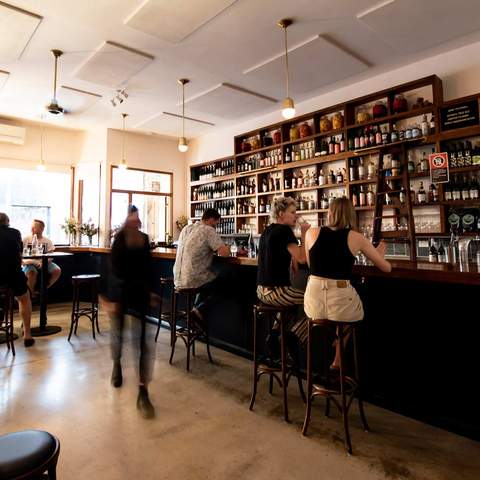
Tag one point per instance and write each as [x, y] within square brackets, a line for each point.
[196, 246]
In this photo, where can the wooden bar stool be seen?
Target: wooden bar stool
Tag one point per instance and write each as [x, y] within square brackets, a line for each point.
[336, 386]
[27, 455]
[6, 317]
[166, 282]
[191, 331]
[264, 365]
[91, 312]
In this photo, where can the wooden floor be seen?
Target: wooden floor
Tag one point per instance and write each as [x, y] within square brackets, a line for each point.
[203, 428]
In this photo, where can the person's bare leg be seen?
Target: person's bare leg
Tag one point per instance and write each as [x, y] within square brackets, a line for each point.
[25, 308]
[54, 276]
[31, 279]
[336, 361]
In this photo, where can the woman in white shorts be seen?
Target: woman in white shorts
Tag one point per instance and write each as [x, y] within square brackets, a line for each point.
[331, 253]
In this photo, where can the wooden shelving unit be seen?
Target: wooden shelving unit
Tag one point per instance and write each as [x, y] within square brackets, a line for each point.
[313, 138]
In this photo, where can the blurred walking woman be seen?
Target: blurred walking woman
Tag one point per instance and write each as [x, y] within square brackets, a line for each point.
[277, 248]
[331, 253]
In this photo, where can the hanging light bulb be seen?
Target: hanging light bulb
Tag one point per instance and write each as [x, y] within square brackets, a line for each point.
[41, 165]
[123, 162]
[182, 141]
[288, 106]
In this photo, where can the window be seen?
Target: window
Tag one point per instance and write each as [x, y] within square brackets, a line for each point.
[150, 192]
[29, 194]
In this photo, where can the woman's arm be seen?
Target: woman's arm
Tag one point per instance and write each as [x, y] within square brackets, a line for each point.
[298, 252]
[376, 255]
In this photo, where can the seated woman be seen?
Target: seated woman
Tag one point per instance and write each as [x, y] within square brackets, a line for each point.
[330, 255]
[277, 248]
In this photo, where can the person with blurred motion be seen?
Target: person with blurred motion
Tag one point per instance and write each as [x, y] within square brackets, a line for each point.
[331, 252]
[193, 264]
[278, 251]
[11, 274]
[130, 291]
[32, 267]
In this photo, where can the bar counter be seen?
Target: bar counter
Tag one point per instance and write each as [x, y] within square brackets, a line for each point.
[419, 338]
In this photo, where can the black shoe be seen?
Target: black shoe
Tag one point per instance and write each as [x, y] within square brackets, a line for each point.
[28, 342]
[143, 403]
[117, 378]
[273, 345]
[198, 321]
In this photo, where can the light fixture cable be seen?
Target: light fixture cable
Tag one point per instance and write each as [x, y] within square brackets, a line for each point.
[182, 141]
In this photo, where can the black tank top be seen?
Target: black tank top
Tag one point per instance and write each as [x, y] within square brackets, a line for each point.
[330, 256]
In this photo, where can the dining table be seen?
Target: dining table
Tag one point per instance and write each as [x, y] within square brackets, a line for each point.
[43, 328]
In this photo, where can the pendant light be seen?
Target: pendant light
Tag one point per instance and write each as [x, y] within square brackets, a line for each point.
[41, 165]
[182, 141]
[288, 107]
[123, 162]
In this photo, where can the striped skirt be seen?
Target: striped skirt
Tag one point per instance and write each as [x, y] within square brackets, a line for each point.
[287, 296]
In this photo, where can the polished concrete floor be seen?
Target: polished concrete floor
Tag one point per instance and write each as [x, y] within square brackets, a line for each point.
[203, 428]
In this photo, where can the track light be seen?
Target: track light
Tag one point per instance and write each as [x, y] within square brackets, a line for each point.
[119, 96]
[112, 101]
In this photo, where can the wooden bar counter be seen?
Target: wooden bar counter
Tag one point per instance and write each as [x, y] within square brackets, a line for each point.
[419, 338]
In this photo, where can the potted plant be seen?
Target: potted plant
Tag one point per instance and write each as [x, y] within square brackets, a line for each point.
[71, 228]
[88, 229]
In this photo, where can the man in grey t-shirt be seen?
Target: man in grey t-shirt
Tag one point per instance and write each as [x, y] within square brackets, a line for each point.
[192, 269]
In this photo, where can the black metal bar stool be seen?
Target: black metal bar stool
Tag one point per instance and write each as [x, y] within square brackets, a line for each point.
[191, 331]
[336, 386]
[166, 282]
[6, 317]
[286, 369]
[28, 455]
[91, 312]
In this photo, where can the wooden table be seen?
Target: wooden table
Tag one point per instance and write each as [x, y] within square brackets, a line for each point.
[43, 329]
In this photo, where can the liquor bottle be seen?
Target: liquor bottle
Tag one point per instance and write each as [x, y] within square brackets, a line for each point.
[424, 163]
[402, 196]
[342, 143]
[424, 126]
[371, 138]
[432, 124]
[356, 141]
[352, 171]
[448, 193]
[465, 189]
[422, 195]
[355, 199]
[476, 154]
[474, 188]
[435, 193]
[370, 170]
[362, 139]
[331, 146]
[432, 253]
[378, 136]
[321, 178]
[366, 138]
[251, 246]
[413, 195]
[351, 143]
[430, 193]
[300, 179]
[394, 134]
[411, 163]
[362, 197]
[324, 201]
[306, 179]
[370, 197]
[385, 136]
[442, 254]
[395, 166]
[286, 182]
[456, 192]
[288, 157]
[339, 176]
[361, 170]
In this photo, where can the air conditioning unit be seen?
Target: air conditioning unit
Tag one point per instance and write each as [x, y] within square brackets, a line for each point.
[11, 134]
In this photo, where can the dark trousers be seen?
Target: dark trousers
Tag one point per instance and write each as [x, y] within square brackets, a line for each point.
[143, 347]
[214, 291]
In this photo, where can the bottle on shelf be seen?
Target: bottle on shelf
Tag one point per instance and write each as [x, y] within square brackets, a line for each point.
[361, 170]
[432, 124]
[421, 195]
[362, 197]
[442, 254]
[394, 134]
[402, 196]
[425, 126]
[352, 170]
[321, 178]
[413, 195]
[370, 170]
[370, 197]
[432, 253]
[411, 163]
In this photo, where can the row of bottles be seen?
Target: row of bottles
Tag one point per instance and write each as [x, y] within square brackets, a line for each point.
[358, 170]
[263, 206]
[224, 208]
[462, 187]
[246, 186]
[296, 179]
[332, 145]
[246, 207]
[325, 201]
[371, 136]
[252, 162]
[226, 226]
[463, 154]
[301, 151]
[306, 202]
[271, 183]
[213, 190]
[364, 196]
[225, 167]
[270, 158]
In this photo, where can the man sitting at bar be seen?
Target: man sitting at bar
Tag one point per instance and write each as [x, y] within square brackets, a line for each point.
[11, 275]
[192, 269]
[32, 267]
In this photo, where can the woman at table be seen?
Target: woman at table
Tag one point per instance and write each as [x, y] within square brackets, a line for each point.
[331, 252]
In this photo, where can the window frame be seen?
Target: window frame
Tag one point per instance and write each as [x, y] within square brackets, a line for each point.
[142, 192]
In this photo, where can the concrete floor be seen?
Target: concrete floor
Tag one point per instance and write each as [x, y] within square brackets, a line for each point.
[203, 428]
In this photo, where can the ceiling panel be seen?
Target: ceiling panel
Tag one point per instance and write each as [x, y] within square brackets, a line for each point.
[170, 125]
[3, 78]
[314, 63]
[174, 21]
[75, 100]
[113, 64]
[229, 101]
[411, 26]
[17, 27]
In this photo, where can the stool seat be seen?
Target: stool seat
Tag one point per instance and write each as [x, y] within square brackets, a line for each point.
[166, 280]
[27, 452]
[85, 277]
[187, 291]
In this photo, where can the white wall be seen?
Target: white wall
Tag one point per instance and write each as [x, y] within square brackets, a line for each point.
[151, 152]
[459, 69]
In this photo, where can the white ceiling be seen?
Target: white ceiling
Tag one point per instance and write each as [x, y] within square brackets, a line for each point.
[226, 48]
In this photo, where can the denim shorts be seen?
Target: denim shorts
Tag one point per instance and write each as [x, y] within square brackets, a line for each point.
[31, 267]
